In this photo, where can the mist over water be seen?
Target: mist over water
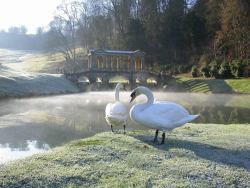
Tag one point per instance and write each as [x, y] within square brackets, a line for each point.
[34, 125]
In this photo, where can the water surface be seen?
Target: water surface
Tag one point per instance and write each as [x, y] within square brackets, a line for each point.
[29, 126]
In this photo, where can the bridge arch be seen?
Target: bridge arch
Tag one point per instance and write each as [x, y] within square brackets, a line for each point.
[99, 79]
[152, 80]
[119, 78]
[83, 79]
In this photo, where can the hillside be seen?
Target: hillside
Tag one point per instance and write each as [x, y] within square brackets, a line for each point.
[14, 83]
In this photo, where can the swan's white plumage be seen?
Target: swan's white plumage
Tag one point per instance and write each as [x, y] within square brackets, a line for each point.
[159, 115]
[116, 113]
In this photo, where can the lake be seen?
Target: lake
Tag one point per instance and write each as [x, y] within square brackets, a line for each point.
[35, 125]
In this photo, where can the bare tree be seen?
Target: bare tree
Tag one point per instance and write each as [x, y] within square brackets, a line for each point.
[63, 30]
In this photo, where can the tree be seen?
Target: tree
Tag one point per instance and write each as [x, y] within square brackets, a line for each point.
[232, 40]
[23, 30]
[14, 30]
[63, 30]
[39, 31]
[120, 10]
[136, 38]
[210, 12]
[173, 30]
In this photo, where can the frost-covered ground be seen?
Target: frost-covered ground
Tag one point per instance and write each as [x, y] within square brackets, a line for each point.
[196, 155]
[15, 82]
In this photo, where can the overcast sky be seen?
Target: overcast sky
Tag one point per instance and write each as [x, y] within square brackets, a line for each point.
[31, 13]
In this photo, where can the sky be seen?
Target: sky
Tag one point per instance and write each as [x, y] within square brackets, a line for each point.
[31, 13]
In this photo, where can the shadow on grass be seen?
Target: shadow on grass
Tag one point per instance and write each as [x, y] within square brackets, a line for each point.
[238, 158]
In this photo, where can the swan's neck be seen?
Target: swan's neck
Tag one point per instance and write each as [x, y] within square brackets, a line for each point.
[150, 97]
[117, 90]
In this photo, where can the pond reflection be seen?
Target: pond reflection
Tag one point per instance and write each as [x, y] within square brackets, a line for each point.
[34, 125]
[8, 153]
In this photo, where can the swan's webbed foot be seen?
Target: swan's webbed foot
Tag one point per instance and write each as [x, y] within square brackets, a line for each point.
[124, 129]
[163, 138]
[156, 135]
[111, 126]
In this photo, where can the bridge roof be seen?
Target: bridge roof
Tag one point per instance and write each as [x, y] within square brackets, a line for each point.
[114, 52]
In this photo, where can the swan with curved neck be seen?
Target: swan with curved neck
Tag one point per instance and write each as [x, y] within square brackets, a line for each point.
[116, 113]
[161, 115]
[117, 91]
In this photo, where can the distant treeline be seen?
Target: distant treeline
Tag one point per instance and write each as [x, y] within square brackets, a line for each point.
[171, 32]
[18, 39]
[175, 34]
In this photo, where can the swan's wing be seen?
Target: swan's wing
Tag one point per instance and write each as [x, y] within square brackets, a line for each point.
[108, 109]
[117, 109]
[166, 112]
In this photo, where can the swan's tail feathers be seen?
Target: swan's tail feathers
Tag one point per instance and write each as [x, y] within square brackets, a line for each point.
[186, 120]
[193, 117]
[116, 120]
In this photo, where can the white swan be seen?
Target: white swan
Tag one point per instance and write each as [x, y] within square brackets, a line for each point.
[116, 113]
[163, 116]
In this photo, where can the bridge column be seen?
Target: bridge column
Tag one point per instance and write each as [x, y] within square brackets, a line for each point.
[92, 77]
[132, 80]
[117, 63]
[105, 81]
[111, 63]
[106, 62]
[132, 71]
[89, 62]
[98, 63]
[142, 62]
[93, 62]
[132, 68]
[131, 77]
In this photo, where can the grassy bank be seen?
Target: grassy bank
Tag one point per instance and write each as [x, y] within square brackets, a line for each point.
[43, 62]
[200, 85]
[196, 155]
[15, 83]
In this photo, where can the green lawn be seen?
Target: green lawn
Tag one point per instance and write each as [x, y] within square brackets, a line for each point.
[195, 155]
[43, 62]
[46, 62]
[200, 85]
[240, 86]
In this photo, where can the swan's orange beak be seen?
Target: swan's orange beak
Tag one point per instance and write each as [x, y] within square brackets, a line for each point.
[132, 98]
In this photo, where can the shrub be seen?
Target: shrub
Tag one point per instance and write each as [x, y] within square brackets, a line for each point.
[194, 71]
[184, 68]
[204, 60]
[180, 68]
[225, 71]
[237, 67]
[246, 68]
[205, 71]
[214, 68]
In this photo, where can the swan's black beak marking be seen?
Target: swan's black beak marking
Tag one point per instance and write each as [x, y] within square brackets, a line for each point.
[133, 96]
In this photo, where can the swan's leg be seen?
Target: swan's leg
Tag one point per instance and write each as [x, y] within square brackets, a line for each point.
[111, 126]
[163, 138]
[156, 135]
[124, 127]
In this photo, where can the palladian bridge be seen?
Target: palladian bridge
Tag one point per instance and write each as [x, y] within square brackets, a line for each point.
[103, 65]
